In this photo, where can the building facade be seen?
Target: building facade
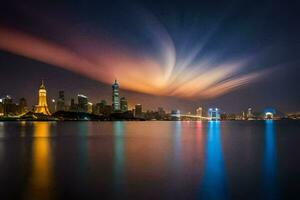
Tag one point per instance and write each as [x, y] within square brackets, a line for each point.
[42, 106]
[115, 97]
[61, 101]
[138, 111]
[82, 103]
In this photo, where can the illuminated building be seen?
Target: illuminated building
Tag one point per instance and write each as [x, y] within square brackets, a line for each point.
[42, 106]
[138, 111]
[9, 107]
[99, 107]
[61, 101]
[89, 107]
[115, 97]
[82, 103]
[124, 106]
[214, 114]
[199, 111]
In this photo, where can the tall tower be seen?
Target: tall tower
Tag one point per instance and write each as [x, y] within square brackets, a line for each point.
[42, 106]
[115, 96]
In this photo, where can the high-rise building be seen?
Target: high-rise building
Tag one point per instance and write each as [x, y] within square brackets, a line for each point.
[61, 101]
[42, 106]
[199, 112]
[115, 96]
[82, 103]
[138, 111]
[124, 106]
[89, 107]
[102, 106]
[22, 108]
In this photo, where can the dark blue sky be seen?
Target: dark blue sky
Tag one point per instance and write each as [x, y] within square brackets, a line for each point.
[264, 33]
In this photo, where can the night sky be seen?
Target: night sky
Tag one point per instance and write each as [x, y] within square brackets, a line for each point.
[174, 54]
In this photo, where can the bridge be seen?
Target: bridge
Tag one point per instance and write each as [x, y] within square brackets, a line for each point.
[191, 116]
[194, 116]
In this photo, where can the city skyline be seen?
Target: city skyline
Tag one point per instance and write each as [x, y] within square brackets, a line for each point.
[117, 109]
[205, 56]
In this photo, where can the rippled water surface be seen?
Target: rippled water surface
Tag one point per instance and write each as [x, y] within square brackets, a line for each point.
[150, 160]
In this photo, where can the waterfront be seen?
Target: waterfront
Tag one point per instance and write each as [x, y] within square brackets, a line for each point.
[150, 160]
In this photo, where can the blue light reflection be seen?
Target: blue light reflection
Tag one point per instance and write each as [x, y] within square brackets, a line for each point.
[214, 183]
[270, 184]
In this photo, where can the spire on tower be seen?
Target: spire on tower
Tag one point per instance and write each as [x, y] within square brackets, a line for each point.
[42, 85]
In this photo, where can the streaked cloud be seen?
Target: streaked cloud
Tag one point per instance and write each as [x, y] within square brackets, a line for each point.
[105, 60]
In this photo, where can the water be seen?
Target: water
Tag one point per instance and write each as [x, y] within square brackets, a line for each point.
[150, 160]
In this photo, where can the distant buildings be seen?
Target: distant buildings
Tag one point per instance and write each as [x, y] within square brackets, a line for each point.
[138, 111]
[115, 96]
[82, 109]
[42, 106]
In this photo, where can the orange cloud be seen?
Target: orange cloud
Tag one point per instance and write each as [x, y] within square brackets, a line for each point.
[140, 73]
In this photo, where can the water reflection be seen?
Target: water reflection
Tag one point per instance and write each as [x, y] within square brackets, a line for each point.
[2, 129]
[118, 157]
[41, 175]
[82, 146]
[213, 184]
[177, 145]
[270, 185]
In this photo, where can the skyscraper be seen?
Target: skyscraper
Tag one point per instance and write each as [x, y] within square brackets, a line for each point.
[42, 106]
[82, 103]
[90, 107]
[124, 106]
[115, 97]
[61, 101]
